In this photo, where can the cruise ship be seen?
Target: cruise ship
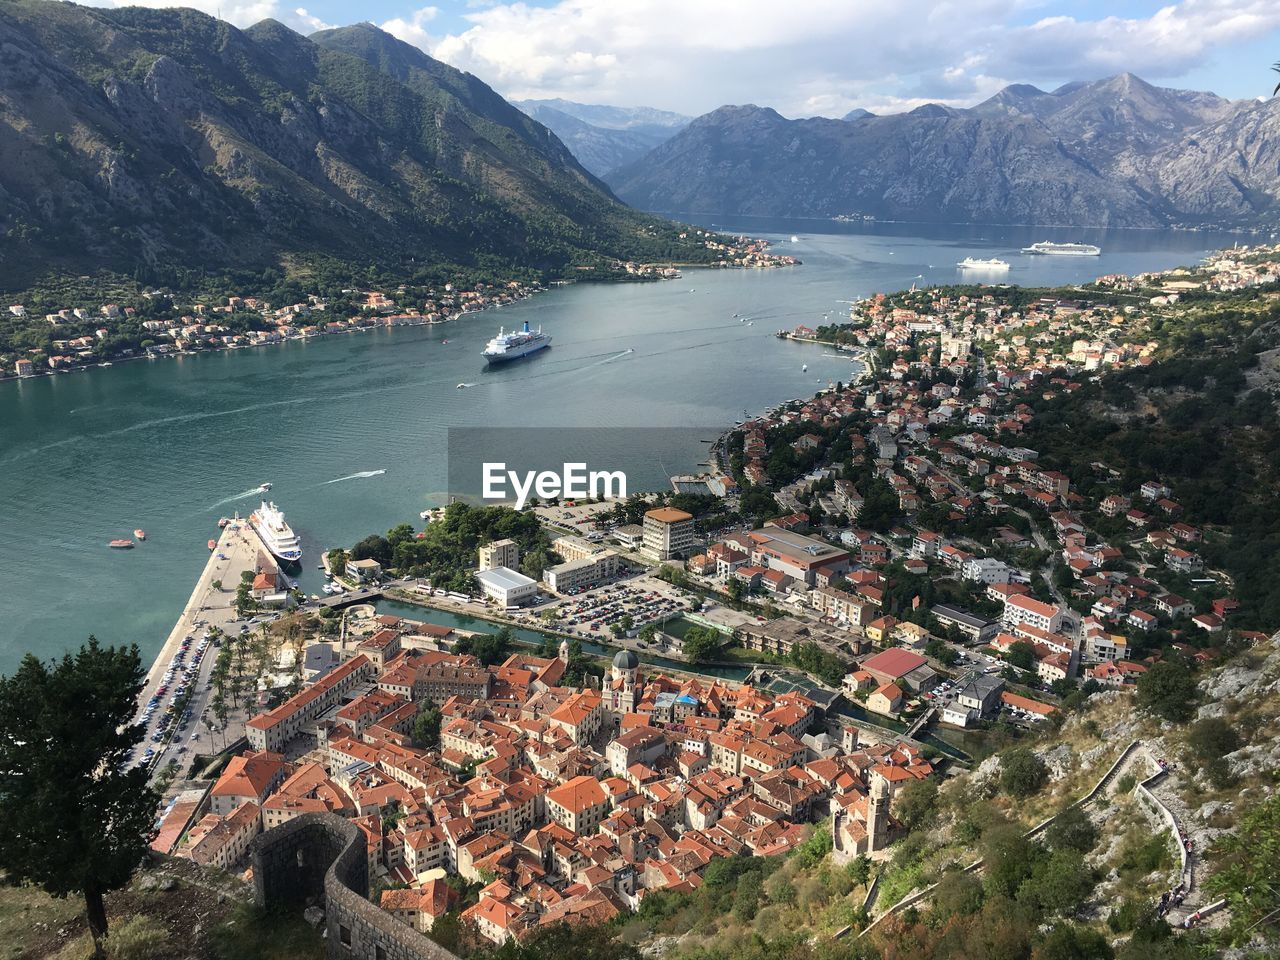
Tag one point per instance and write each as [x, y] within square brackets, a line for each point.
[1063, 249]
[973, 263]
[512, 346]
[278, 537]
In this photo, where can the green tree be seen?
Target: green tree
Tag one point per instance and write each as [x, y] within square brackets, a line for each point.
[77, 815]
[426, 727]
[941, 651]
[1007, 859]
[1168, 690]
[1022, 772]
[701, 643]
[1021, 655]
[1072, 830]
[1067, 941]
[916, 803]
[1060, 884]
[337, 558]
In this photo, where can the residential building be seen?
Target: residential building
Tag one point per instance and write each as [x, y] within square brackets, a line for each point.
[668, 533]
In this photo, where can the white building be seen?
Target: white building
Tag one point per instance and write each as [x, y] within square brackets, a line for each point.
[507, 587]
[575, 574]
[986, 570]
[1032, 612]
[668, 533]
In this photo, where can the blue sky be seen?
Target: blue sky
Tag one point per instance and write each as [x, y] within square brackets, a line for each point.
[810, 57]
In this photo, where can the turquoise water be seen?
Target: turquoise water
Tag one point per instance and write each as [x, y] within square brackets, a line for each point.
[351, 430]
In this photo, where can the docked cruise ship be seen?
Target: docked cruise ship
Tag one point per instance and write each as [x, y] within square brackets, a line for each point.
[1063, 249]
[278, 537]
[512, 346]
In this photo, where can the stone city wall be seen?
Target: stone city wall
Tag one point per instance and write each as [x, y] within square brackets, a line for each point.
[322, 858]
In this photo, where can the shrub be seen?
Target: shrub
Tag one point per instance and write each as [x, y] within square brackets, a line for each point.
[1022, 773]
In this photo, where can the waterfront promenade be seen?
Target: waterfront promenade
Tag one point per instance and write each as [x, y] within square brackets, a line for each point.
[209, 606]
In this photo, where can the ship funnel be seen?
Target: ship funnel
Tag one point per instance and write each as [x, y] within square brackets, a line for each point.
[526, 326]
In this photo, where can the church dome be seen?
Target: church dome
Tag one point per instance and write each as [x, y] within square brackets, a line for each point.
[626, 660]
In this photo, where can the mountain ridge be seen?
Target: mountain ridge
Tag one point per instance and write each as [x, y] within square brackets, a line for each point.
[1116, 152]
[604, 138]
[137, 139]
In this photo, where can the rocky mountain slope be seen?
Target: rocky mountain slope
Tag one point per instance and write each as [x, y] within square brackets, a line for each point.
[604, 138]
[135, 138]
[1118, 152]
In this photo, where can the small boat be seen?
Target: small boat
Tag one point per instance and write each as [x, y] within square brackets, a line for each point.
[327, 588]
[444, 341]
[223, 522]
[121, 544]
[804, 368]
[140, 534]
[794, 238]
[212, 544]
[424, 515]
[264, 487]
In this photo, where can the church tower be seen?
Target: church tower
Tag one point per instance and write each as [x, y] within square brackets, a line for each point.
[624, 680]
[877, 813]
[564, 652]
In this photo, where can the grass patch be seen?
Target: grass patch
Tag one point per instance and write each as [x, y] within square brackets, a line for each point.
[30, 919]
[253, 934]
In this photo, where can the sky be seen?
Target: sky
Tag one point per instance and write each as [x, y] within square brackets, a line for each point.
[810, 57]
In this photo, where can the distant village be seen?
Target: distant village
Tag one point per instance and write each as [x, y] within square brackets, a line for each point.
[94, 332]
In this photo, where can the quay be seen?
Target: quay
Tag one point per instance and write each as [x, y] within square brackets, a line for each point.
[235, 551]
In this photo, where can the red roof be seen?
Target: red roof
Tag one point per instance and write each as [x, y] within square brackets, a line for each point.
[894, 663]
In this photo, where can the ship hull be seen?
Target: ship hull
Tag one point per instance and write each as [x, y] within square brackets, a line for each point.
[495, 360]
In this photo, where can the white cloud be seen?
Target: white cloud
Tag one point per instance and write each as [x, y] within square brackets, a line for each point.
[311, 24]
[815, 57]
[244, 13]
[821, 56]
[413, 29]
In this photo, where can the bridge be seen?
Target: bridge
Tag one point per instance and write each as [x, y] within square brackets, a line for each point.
[921, 722]
[350, 598]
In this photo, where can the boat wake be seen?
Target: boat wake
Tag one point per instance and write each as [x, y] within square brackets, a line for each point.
[357, 476]
[245, 495]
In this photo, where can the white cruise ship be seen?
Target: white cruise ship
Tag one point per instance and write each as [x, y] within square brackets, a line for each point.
[1063, 249]
[278, 537]
[512, 346]
[973, 263]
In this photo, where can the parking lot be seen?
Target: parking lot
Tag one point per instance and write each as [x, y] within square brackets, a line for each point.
[593, 612]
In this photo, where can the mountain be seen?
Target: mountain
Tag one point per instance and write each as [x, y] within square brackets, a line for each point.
[1116, 152]
[604, 137]
[857, 113]
[140, 139]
